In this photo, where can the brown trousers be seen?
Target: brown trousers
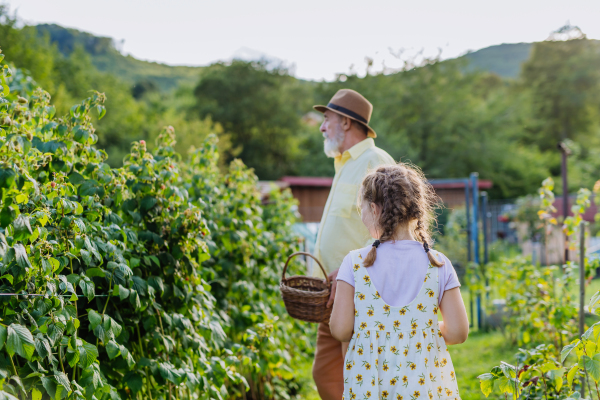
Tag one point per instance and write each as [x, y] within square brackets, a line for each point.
[328, 368]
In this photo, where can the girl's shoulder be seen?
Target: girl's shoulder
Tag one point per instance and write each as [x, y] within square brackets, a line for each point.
[442, 257]
[356, 256]
[361, 253]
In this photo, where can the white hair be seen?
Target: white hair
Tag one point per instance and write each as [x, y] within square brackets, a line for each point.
[332, 146]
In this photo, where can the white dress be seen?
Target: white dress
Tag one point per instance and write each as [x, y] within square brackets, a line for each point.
[397, 352]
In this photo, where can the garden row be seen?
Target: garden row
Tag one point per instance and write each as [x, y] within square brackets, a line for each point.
[540, 313]
[155, 280]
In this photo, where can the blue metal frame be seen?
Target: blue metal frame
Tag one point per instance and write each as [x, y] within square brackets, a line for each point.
[471, 201]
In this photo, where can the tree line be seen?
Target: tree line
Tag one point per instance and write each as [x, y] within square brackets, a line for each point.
[441, 115]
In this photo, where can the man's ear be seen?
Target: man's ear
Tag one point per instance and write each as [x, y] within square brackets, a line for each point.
[346, 123]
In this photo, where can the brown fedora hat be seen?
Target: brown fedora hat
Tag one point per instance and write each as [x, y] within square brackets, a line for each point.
[353, 105]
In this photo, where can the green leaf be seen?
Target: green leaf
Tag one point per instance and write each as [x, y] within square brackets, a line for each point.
[133, 381]
[90, 188]
[548, 366]
[87, 287]
[88, 353]
[87, 257]
[592, 366]
[62, 379]
[72, 356]
[3, 334]
[76, 178]
[170, 373]
[571, 374]
[22, 228]
[7, 216]
[36, 394]
[91, 272]
[81, 135]
[94, 318]
[20, 341]
[112, 348]
[21, 198]
[7, 178]
[486, 381]
[508, 371]
[21, 256]
[556, 376]
[592, 331]
[101, 111]
[148, 202]
[567, 350]
[122, 292]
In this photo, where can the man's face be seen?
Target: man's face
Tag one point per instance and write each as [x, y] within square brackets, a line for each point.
[333, 133]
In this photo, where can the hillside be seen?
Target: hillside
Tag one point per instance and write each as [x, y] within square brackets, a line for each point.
[503, 59]
[107, 58]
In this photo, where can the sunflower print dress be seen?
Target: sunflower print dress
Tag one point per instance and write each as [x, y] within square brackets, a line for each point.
[397, 353]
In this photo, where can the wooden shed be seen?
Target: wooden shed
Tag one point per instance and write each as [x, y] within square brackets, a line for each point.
[312, 193]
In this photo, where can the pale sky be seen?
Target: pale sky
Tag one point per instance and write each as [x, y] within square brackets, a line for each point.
[318, 37]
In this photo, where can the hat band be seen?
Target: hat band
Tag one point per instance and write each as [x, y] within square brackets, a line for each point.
[348, 112]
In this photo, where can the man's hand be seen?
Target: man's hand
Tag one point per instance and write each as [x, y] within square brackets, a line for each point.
[333, 281]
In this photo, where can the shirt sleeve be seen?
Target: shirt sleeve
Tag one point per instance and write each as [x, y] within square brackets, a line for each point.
[346, 273]
[447, 277]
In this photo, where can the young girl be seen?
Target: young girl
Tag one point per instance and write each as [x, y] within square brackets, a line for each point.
[389, 295]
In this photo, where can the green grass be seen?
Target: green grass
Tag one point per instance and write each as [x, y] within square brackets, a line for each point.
[476, 356]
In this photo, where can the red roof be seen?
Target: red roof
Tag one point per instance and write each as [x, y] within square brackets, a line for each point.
[307, 181]
[481, 184]
[327, 182]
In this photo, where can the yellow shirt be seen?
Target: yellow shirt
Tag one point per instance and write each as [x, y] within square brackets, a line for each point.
[341, 229]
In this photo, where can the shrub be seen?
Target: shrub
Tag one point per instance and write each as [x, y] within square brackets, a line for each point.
[108, 275]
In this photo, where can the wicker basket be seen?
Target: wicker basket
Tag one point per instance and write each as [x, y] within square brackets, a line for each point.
[306, 297]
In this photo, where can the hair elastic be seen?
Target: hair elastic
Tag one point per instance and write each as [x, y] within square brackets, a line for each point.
[426, 247]
[376, 243]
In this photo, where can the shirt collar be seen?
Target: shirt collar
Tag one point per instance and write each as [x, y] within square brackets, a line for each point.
[353, 152]
[360, 147]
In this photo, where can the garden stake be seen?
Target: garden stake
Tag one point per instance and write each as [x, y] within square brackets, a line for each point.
[581, 276]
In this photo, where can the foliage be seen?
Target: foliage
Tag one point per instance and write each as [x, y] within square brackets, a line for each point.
[539, 307]
[107, 58]
[247, 241]
[442, 115]
[542, 373]
[563, 79]
[260, 107]
[574, 222]
[107, 270]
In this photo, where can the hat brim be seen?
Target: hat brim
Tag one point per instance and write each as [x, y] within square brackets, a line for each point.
[371, 132]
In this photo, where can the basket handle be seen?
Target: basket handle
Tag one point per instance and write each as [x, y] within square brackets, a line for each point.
[301, 253]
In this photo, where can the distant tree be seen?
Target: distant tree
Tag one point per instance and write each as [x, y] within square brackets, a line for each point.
[260, 108]
[24, 48]
[143, 87]
[563, 78]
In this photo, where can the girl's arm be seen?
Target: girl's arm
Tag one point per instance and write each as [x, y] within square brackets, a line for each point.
[455, 326]
[342, 315]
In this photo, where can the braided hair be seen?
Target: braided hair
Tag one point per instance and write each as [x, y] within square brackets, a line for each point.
[404, 196]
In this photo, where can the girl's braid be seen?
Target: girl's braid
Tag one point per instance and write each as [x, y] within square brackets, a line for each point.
[404, 195]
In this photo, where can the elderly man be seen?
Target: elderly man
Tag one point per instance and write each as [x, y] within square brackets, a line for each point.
[349, 141]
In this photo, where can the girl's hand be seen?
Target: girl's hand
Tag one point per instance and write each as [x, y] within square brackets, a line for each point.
[342, 316]
[455, 326]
